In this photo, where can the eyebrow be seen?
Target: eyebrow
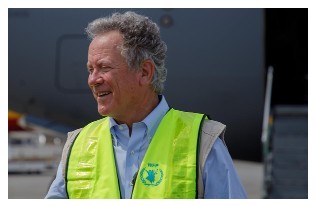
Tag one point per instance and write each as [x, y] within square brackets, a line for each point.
[104, 61]
[100, 62]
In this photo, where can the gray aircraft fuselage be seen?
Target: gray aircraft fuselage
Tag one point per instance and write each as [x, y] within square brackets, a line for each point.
[215, 63]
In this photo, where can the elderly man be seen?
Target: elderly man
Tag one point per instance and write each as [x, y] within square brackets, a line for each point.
[142, 148]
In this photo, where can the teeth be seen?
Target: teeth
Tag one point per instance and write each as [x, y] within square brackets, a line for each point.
[103, 93]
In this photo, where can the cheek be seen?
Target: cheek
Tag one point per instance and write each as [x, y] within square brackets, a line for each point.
[109, 81]
[129, 85]
[122, 83]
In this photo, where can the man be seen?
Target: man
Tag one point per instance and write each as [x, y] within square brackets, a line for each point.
[142, 148]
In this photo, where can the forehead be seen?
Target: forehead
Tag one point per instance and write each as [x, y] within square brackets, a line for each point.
[105, 49]
[105, 42]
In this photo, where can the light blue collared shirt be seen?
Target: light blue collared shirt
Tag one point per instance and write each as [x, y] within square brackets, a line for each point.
[219, 176]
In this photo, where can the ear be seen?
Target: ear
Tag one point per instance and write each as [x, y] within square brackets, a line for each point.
[147, 72]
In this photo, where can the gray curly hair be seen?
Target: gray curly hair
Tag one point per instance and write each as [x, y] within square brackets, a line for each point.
[141, 41]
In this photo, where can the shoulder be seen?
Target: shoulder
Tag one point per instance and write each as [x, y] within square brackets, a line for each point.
[212, 128]
[71, 137]
[210, 131]
[73, 133]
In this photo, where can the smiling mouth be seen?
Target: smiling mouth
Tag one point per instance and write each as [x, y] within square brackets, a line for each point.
[102, 94]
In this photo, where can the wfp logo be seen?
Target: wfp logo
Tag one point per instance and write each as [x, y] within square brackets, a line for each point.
[151, 175]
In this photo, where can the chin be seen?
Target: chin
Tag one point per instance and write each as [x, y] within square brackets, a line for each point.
[102, 111]
[104, 115]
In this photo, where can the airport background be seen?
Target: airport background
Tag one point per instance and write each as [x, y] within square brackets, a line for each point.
[224, 52]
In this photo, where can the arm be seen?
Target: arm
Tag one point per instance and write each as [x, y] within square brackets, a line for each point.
[57, 189]
[220, 176]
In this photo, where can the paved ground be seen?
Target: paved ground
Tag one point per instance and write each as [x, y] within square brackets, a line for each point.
[36, 186]
[28, 186]
[251, 174]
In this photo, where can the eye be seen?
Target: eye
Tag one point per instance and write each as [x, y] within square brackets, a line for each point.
[90, 70]
[105, 69]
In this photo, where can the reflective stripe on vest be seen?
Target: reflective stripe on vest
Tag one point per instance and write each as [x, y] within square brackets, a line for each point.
[91, 170]
[168, 169]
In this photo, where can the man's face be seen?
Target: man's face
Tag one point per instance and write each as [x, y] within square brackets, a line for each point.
[114, 86]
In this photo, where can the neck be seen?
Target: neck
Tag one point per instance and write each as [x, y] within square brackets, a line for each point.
[146, 105]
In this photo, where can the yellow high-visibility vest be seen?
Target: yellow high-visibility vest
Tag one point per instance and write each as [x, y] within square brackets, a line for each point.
[168, 169]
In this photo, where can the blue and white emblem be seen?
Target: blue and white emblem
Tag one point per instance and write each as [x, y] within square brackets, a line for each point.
[151, 175]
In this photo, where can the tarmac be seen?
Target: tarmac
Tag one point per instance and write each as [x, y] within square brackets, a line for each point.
[35, 186]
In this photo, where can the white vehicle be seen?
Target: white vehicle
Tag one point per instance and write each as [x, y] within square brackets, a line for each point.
[32, 152]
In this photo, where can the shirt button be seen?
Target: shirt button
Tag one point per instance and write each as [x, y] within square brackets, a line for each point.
[120, 127]
[132, 152]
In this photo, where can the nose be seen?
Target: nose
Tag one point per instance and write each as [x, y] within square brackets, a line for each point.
[94, 79]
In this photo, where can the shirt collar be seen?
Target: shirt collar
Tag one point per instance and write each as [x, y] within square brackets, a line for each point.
[152, 120]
